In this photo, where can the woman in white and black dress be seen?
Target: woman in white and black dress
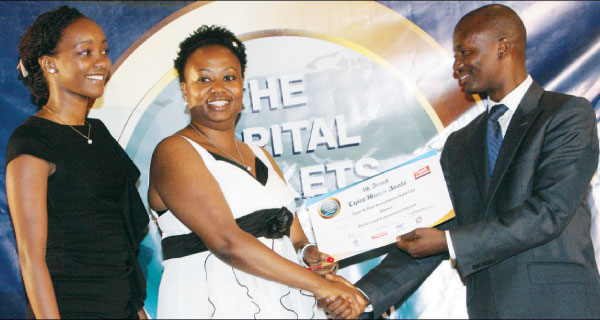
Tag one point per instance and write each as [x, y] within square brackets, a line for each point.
[230, 239]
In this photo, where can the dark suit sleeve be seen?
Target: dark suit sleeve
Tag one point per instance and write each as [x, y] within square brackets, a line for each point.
[565, 165]
[395, 277]
[398, 275]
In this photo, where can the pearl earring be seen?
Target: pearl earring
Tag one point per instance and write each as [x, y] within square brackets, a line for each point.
[52, 70]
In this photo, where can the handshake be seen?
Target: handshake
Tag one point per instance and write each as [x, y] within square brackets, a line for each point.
[349, 304]
[336, 295]
[344, 301]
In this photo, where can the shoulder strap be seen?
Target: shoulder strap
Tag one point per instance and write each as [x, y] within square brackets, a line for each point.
[259, 153]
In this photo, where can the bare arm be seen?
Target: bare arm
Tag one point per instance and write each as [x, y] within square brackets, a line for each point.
[26, 187]
[312, 254]
[142, 314]
[194, 197]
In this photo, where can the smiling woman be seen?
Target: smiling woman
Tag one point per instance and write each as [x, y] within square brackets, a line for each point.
[229, 235]
[71, 188]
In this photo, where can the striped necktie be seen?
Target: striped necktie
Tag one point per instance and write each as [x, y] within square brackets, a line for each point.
[494, 135]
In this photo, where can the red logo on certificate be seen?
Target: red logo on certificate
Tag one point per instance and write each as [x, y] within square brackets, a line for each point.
[379, 235]
[422, 172]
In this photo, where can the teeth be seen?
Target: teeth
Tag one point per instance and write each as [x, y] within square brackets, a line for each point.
[218, 103]
[95, 77]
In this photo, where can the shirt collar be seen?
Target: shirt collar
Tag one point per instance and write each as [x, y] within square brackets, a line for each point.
[513, 99]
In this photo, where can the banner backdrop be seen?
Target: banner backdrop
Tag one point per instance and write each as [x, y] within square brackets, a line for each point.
[336, 91]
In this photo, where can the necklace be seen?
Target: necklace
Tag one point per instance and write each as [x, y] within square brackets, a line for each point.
[89, 141]
[225, 152]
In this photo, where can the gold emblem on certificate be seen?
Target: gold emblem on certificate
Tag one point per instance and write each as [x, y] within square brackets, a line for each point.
[329, 208]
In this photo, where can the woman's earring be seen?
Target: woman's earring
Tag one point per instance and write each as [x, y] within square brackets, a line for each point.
[52, 70]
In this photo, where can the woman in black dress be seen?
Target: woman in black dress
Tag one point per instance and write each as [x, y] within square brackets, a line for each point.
[71, 188]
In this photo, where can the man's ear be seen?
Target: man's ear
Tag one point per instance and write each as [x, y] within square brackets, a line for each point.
[504, 48]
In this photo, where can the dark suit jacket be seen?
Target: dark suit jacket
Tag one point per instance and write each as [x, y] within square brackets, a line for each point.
[522, 240]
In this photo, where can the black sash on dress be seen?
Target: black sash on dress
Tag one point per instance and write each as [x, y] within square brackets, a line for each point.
[269, 223]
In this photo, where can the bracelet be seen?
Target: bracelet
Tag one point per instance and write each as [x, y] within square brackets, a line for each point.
[301, 253]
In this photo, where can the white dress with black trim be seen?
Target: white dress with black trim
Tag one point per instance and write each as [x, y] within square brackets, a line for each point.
[196, 284]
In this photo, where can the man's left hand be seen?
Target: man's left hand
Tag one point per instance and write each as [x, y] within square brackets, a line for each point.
[422, 242]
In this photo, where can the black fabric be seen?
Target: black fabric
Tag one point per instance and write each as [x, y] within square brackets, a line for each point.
[96, 218]
[28, 140]
[262, 172]
[269, 223]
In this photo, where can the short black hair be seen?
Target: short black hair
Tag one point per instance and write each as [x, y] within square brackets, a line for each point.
[41, 39]
[206, 36]
[500, 20]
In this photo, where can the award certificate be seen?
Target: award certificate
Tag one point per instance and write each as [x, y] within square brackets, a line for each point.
[370, 213]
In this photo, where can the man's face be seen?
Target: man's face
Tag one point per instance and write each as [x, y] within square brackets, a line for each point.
[476, 62]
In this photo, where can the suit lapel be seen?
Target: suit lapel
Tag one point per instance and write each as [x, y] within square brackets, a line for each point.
[518, 127]
[478, 155]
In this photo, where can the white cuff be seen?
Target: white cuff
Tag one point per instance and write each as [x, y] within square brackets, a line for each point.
[369, 307]
[450, 246]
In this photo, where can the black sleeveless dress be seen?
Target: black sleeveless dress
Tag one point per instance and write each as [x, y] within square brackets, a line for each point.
[96, 219]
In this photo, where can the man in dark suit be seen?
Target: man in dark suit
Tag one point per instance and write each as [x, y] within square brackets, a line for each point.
[518, 176]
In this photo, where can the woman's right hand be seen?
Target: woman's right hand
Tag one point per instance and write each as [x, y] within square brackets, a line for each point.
[320, 262]
[342, 288]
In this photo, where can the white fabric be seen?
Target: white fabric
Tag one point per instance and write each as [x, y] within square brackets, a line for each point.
[202, 286]
[450, 246]
[511, 101]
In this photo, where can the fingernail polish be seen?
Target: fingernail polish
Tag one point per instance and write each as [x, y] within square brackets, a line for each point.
[319, 267]
[309, 268]
[330, 259]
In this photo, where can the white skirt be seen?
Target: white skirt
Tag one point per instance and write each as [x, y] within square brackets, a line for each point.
[202, 286]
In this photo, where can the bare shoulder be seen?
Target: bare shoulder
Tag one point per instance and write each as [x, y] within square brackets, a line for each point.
[176, 172]
[173, 151]
[172, 146]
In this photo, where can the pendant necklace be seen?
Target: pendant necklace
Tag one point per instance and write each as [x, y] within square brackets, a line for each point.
[89, 141]
[241, 162]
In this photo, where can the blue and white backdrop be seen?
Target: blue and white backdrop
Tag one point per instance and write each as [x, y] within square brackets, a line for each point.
[336, 91]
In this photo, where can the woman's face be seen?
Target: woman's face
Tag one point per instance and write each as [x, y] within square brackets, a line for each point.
[213, 86]
[81, 61]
